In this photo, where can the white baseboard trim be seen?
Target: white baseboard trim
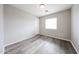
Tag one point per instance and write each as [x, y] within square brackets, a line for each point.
[49, 36]
[65, 40]
[20, 40]
[74, 47]
[57, 37]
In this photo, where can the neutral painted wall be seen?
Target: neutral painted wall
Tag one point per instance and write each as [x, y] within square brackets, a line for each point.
[19, 25]
[63, 25]
[1, 30]
[75, 27]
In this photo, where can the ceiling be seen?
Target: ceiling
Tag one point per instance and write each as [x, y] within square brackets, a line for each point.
[37, 11]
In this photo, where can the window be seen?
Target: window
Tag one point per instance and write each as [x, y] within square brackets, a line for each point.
[51, 23]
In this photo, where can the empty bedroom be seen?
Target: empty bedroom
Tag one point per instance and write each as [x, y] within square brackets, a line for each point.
[41, 28]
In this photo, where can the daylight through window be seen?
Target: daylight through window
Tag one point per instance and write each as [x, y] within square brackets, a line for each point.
[51, 23]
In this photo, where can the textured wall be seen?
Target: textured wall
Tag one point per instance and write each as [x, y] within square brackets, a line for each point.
[63, 30]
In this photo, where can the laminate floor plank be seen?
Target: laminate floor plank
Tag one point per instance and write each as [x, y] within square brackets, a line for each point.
[41, 45]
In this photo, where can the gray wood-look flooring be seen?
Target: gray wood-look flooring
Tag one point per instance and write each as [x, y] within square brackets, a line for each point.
[40, 45]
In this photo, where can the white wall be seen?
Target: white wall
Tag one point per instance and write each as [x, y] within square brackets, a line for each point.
[63, 25]
[75, 27]
[1, 30]
[19, 25]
